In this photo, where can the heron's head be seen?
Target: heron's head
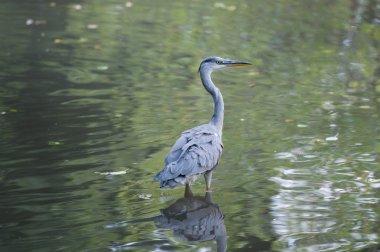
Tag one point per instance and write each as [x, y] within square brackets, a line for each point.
[214, 63]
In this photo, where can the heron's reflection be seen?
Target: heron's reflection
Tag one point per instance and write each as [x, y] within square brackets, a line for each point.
[195, 218]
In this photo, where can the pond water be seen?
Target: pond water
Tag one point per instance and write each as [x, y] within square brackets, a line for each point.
[94, 93]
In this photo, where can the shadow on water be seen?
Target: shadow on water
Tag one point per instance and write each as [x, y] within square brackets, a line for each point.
[191, 218]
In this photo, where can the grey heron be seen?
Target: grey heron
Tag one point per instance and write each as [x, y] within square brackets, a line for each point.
[197, 152]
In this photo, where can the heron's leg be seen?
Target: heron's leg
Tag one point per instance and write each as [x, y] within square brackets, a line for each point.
[208, 177]
[208, 197]
[188, 192]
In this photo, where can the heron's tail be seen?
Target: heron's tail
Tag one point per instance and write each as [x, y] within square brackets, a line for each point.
[170, 182]
[167, 178]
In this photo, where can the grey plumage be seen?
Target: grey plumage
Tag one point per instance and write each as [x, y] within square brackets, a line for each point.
[198, 150]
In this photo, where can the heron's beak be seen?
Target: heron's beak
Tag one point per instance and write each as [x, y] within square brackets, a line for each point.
[235, 63]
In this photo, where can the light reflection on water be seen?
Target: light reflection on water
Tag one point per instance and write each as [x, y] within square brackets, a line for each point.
[308, 215]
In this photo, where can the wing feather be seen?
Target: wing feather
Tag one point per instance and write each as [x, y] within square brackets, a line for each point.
[197, 151]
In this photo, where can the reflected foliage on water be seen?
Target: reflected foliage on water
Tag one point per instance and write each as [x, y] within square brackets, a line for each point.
[94, 93]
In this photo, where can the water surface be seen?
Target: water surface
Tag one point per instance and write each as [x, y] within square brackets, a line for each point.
[94, 93]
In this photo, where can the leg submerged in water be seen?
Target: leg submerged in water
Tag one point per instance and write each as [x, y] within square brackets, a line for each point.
[188, 192]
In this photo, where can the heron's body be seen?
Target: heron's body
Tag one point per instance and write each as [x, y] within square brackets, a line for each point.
[198, 151]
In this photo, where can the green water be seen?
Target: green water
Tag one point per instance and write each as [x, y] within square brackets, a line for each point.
[94, 93]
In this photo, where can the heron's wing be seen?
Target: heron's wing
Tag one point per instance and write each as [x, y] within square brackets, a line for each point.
[176, 150]
[196, 151]
[199, 155]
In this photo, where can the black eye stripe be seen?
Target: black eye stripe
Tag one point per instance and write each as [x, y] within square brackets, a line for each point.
[208, 60]
[212, 60]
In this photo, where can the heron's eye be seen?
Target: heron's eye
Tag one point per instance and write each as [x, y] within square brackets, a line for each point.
[219, 62]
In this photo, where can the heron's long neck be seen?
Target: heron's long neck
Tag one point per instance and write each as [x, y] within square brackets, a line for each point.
[218, 116]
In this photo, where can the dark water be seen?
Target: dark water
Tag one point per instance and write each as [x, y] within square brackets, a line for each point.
[94, 93]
